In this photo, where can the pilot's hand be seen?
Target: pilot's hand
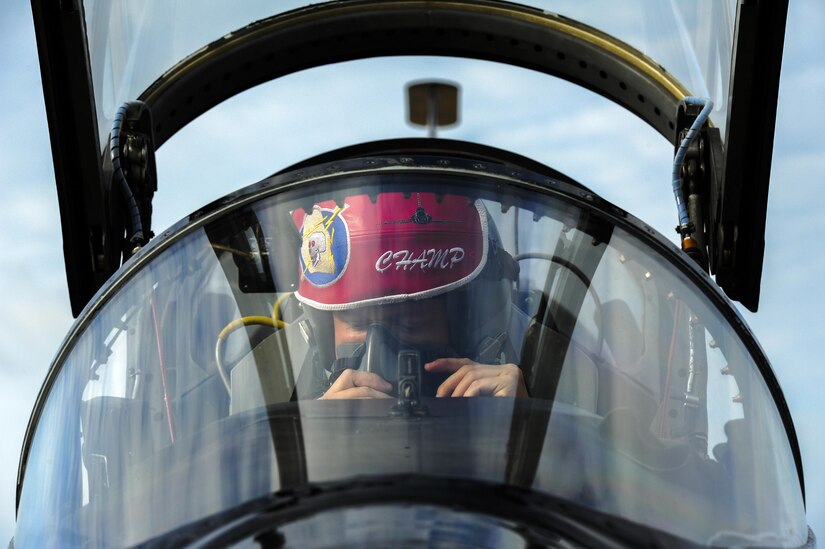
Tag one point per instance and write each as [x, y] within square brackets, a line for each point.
[358, 384]
[470, 378]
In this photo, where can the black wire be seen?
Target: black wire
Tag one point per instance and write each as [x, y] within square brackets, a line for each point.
[136, 237]
[573, 268]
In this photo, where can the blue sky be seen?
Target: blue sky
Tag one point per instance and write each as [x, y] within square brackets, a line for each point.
[35, 309]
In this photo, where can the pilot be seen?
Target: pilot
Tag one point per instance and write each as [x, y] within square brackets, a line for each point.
[422, 272]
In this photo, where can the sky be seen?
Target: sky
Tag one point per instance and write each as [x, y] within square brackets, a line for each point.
[35, 309]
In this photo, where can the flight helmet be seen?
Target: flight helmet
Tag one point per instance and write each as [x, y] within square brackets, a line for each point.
[383, 250]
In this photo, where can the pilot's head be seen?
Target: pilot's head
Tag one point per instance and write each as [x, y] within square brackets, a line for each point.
[404, 271]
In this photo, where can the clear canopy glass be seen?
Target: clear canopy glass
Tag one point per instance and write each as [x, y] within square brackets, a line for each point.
[510, 330]
[133, 44]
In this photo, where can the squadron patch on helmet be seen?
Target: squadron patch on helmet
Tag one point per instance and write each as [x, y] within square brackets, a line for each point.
[325, 246]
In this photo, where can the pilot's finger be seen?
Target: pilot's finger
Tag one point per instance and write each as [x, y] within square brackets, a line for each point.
[357, 378]
[447, 364]
[481, 379]
[495, 386]
[508, 380]
[449, 385]
[473, 375]
[354, 393]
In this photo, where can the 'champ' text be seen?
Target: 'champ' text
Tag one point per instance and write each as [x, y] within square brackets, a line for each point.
[427, 259]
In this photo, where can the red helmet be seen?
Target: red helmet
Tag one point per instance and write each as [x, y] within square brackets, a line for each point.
[389, 247]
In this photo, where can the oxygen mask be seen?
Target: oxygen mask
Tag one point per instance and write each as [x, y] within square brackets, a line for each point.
[379, 353]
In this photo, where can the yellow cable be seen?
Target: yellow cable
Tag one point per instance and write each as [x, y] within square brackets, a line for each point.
[234, 325]
[250, 320]
[235, 251]
[276, 308]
